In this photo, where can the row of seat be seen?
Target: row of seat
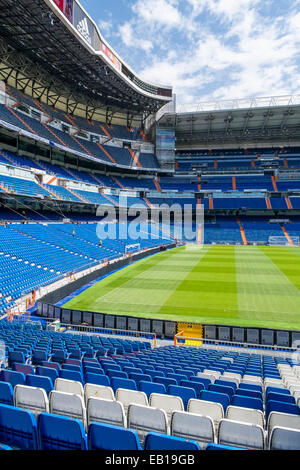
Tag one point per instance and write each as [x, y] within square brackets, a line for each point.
[238, 366]
[224, 392]
[191, 432]
[204, 385]
[212, 404]
[160, 413]
[20, 430]
[35, 345]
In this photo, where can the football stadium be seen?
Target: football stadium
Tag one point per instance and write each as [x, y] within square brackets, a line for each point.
[149, 252]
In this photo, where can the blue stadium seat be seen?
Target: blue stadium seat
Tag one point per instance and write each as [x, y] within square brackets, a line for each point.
[93, 370]
[134, 370]
[97, 379]
[75, 362]
[12, 377]
[60, 356]
[154, 373]
[117, 382]
[60, 433]
[17, 357]
[282, 397]
[198, 387]
[166, 370]
[40, 381]
[277, 390]
[24, 368]
[111, 366]
[248, 386]
[226, 383]
[205, 382]
[18, 428]
[139, 377]
[154, 441]
[185, 372]
[108, 437]
[217, 397]
[249, 393]
[39, 356]
[228, 390]
[71, 375]
[90, 362]
[247, 402]
[177, 377]
[166, 381]
[47, 372]
[75, 353]
[6, 394]
[151, 387]
[51, 365]
[186, 393]
[72, 367]
[116, 373]
[281, 407]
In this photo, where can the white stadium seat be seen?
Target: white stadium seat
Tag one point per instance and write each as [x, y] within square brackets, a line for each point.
[168, 403]
[67, 404]
[98, 391]
[245, 415]
[284, 420]
[284, 439]
[226, 375]
[207, 408]
[127, 397]
[31, 398]
[215, 373]
[242, 435]
[193, 427]
[203, 375]
[145, 419]
[105, 411]
[68, 386]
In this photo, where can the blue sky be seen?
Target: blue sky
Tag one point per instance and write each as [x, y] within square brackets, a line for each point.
[207, 49]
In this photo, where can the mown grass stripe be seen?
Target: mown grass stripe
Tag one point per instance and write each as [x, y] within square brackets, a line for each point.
[246, 286]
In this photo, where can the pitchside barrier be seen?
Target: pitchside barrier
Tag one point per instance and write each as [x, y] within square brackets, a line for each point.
[180, 340]
[184, 333]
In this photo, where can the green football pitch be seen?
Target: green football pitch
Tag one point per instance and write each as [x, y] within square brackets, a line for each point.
[232, 285]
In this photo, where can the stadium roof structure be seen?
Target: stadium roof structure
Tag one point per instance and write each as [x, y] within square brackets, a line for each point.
[265, 122]
[54, 51]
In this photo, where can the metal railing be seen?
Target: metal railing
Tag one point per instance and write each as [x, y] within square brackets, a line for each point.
[116, 333]
[244, 103]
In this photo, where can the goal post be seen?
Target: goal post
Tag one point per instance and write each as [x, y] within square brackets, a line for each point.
[283, 241]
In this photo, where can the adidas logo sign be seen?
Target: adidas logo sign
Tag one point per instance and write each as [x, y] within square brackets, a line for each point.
[83, 29]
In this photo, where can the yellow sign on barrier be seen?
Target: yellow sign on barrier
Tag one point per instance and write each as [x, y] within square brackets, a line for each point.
[190, 330]
[193, 342]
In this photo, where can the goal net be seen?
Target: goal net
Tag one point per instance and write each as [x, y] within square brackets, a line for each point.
[134, 248]
[284, 241]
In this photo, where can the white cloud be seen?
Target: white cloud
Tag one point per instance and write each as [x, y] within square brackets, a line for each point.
[214, 49]
[105, 26]
[130, 39]
[163, 12]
